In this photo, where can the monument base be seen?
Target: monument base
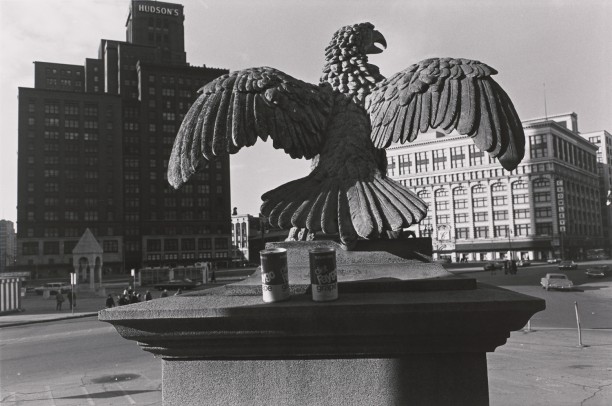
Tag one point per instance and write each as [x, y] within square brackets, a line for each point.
[419, 379]
[402, 332]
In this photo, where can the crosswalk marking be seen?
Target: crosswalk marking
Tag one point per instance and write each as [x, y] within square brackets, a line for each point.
[128, 397]
[89, 399]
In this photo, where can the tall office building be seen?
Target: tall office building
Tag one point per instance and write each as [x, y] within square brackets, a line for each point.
[94, 143]
[549, 206]
[8, 246]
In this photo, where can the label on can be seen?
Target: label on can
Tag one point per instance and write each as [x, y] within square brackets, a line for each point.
[323, 275]
[274, 275]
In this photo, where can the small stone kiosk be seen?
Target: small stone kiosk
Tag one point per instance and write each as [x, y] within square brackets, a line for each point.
[87, 261]
[403, 331]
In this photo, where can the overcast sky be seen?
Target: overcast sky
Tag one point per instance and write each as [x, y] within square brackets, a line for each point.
[564, 44]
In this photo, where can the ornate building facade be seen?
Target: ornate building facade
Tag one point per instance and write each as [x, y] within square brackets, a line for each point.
[549, 206]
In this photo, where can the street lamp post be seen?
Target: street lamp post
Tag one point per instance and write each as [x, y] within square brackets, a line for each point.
[72, 283]
[510, 243]
[134, 276]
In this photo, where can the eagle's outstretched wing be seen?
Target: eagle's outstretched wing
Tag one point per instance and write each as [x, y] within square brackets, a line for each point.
[454, 94]
[236, 108]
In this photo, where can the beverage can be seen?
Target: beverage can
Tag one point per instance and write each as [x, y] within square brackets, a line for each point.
[323, 274]
[274, 275]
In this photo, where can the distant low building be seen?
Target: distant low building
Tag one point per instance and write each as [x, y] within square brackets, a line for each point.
[8, 245]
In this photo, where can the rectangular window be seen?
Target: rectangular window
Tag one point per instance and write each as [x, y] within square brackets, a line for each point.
[501, 231]
[188, 244]
[476, 156]
[204, 244]
[30, 248]
[481, 216]
[404, 164]
[110, 246]
[541, 212]
[422, 162]
[520, 199]
[457, 155]
[461, 218]
[439, 159]
[500, 200]
[522, 229]
[538, 146]
[221, 244]
[521, 213]
[443, 205]
[171, 244]
[51, 247]
[481, 232]
[544, 229]
[480, 202]
[461, 204]
[540, 197]
[500, 215]
[462, 233]
[443, 219]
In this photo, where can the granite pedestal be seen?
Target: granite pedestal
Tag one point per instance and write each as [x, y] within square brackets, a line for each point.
[387, 340]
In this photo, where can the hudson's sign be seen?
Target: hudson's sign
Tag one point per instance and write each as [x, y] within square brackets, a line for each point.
[152, 8]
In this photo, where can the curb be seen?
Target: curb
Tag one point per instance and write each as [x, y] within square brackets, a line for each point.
[67, 317]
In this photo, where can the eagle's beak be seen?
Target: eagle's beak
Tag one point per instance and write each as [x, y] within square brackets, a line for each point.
[378, 43]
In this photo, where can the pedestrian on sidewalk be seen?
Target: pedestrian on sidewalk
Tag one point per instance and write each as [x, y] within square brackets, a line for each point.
[73, 294]
[110, 302]
[148, 296]
[164, 293]
[59, 299]
[69, 296]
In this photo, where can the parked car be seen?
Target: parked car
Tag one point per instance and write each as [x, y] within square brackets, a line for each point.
[598, 271]
[493, 265]
[565, 265]
[53, 288]
[523, 262]
[553, 260]
[556, 281]
[183, 284]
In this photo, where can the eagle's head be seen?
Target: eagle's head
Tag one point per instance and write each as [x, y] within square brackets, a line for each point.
[346, 60]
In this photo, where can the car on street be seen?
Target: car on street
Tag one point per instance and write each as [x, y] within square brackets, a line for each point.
[556, 281]
[183, 284]
[53, 288]
[565, 265]
[493, 265]
[553, 260]
[523, 262]
[598, 271]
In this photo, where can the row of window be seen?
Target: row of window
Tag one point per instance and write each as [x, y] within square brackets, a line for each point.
[187, 244]
[463, 233]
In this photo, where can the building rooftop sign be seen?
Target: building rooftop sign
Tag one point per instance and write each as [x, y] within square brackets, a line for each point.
[154, 7]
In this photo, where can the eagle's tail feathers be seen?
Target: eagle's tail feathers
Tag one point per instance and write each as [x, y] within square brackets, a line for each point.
[329, 217]
[365, 209]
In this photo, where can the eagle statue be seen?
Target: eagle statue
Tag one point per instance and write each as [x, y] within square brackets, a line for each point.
[344, 125]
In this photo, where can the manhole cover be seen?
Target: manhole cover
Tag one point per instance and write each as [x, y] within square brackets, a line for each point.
[115, 378]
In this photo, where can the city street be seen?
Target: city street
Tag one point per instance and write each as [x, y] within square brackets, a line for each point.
[75, 362]
[593, 296]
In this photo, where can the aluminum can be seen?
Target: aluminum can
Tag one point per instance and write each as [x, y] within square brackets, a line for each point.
[274, 275]
[323, 275]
